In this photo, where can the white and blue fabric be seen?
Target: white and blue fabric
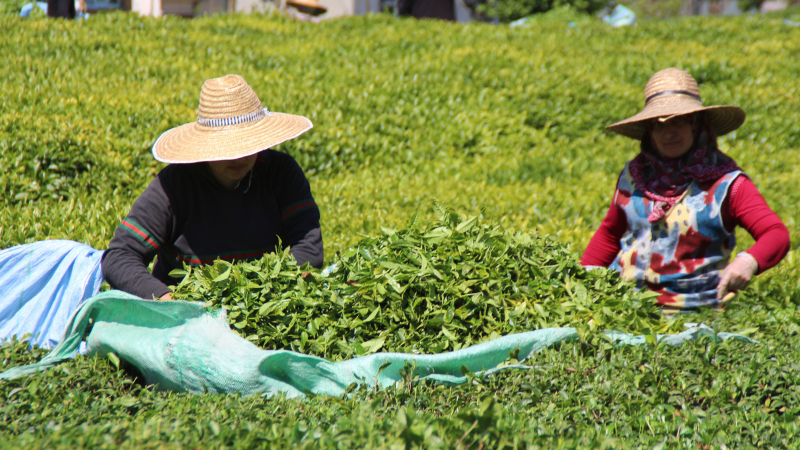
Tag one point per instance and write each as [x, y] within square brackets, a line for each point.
[620, 16]
[41, 286]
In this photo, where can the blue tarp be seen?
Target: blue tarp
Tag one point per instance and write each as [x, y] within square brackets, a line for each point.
[620, 16]
[42, 284]
[28, 9]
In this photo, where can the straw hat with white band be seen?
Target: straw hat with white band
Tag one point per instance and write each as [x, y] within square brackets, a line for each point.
[231, 124]
[673, 92]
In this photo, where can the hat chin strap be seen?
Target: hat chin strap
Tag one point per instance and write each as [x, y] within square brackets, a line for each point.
[225, 121]
[696, 97]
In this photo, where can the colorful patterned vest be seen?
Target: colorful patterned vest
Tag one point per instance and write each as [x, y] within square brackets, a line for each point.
[682, 255]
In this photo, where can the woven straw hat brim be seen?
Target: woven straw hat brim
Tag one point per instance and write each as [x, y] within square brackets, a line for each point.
[309, 5]
[674, 92]
[723, 119]
[191, 143]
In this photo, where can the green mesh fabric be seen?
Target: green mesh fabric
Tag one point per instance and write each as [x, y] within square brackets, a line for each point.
[179, 346]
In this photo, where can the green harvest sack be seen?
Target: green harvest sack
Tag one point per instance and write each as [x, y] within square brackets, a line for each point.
[179, 346]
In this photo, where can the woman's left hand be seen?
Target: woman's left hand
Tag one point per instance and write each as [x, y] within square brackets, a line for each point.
[737, 275]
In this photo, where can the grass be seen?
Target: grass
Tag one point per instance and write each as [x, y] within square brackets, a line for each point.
[506, 123]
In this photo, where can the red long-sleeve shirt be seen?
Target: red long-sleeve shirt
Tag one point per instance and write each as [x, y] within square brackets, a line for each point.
[744, 206]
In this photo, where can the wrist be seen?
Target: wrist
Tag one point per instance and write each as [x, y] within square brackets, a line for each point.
[749, 260]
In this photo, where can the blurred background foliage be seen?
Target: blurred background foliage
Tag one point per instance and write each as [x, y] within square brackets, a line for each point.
[510, 10]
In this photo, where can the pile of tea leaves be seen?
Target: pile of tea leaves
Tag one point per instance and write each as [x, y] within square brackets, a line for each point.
[424, 289]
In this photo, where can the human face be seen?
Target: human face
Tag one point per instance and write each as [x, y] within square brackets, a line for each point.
[232, 171]
[674, 137]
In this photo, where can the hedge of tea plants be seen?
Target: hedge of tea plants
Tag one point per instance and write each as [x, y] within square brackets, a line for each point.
[460, 171]
[422, 289]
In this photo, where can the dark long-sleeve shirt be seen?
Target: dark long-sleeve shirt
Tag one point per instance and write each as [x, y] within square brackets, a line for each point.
[186, 216]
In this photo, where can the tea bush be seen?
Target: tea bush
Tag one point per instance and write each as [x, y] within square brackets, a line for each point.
[501, 124]
[508, 10]
[421, 290]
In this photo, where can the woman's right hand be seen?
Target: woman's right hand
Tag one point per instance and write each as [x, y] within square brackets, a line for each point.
[737, 275]
[167, 296]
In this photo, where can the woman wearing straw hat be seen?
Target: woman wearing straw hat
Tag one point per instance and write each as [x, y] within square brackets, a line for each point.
[223, 195]
[671, 223]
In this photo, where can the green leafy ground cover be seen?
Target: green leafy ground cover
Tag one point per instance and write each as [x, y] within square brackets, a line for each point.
[422, 290]
[491, 121]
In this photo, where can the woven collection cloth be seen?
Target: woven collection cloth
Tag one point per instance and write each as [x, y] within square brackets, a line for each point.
[179, 346]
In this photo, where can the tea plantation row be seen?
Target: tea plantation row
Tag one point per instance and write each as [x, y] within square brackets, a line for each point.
[476, 116]
[492, 121]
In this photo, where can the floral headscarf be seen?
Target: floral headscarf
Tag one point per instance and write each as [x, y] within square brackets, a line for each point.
[664, 180]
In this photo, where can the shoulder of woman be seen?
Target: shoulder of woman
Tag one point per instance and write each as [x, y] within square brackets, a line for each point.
[273, 157]
[179, 178]
[742, 188]
[275, 162]
[173, 172]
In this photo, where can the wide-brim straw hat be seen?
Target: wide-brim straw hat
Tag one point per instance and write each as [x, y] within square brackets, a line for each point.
[311, 7]
[231, 123]
[673, 92]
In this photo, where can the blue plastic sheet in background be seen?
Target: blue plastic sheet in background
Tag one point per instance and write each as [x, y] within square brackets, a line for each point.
[42, 284]
[620, 16]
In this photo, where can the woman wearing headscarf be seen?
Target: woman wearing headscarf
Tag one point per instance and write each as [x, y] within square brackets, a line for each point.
[224, 195]
[670, 226]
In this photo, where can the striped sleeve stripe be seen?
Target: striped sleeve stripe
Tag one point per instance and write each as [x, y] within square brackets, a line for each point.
[297, 207]
[140, 233]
